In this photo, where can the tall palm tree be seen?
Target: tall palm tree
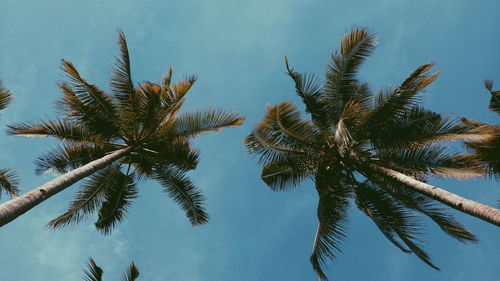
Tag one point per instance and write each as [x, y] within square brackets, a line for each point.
[94, 272]
[489, 151]
[135, 133]
[9, 181]
[375, 151]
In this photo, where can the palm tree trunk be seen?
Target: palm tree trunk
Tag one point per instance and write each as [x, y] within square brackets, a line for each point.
[459, 203]
[15, 207]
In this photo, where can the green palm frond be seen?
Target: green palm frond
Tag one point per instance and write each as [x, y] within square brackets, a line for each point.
[424, 205]
[67, 157]
[88, 199]
[182, 191]
[177, 152]
[64, 130]
[150, 112]
[9, 182]
[432, 159]
[193, 124]
[93, 272]
[87, 93]
[282, 131]
[397, 101]
[117, 199]
[332, 216]
[419, 127]
[5, 96]
[393, 220]
[308, 88]
[89, 115]
[132, 273]
[341, 83]
[284, 174]
[121, 82]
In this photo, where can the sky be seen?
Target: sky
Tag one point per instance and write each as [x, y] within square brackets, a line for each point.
[237, 48]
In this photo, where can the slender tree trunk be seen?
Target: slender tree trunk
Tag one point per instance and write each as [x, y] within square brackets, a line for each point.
[15, 207]
[459, 203]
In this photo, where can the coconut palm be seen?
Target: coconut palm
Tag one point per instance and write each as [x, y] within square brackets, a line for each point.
[489, 151]
[133, 134]
[375, 151]
[9, 181]
[94, 272]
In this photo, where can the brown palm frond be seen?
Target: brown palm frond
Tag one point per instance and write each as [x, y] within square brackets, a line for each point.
[9, 182]
[5, 96]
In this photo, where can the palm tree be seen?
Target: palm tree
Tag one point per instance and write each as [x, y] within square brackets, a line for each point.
[94, 272]
[134, 134]
[489, 151]
[374, 150]
[9, 181]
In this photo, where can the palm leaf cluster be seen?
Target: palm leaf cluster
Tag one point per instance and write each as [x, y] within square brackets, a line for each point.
[9, 181]
[145, 120]
[94, 272]
[349, 131]
[489, 151]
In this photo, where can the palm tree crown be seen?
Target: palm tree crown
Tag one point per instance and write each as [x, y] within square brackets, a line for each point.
[143, 124]
[363, 149]
[8, 180]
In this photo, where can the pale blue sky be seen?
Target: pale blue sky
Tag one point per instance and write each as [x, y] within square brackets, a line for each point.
[237, 48]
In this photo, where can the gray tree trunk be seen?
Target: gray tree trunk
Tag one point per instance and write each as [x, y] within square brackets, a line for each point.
[15, 207]
[459, 203]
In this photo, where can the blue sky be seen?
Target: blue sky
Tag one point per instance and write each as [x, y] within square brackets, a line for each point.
[236, 48]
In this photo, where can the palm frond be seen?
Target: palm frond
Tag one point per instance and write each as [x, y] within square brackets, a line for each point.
[117, 199]
[182, 87]
[199, 122]
[67, 157]
[431, 159]
[341, 84]
[308, 88]
[87, 93]
[166, 79]
[282, 131]
[121, 82]
[176, 151]
[85, 114]
[397, 101]
[182, 191]
[9, 182]
[88, 199]
[495, 97]
[392, 219]
[426, 206]
[64, 130]
[332, 214]
[5, 96]
[150, 112]
[284, 174]
[93, 272]
[132, 273]
[419, 127]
